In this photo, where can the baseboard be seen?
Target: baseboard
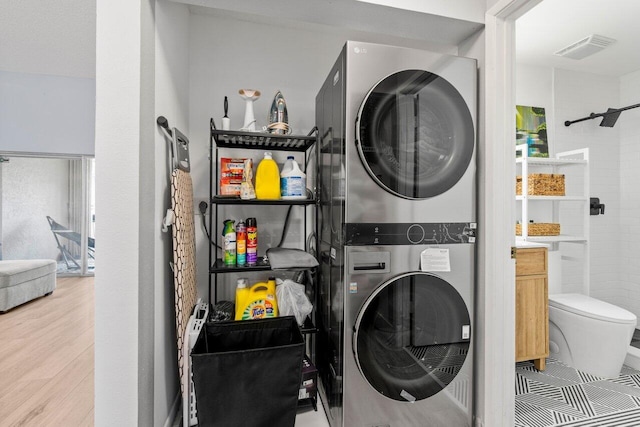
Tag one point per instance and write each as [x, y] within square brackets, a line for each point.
[173, 420]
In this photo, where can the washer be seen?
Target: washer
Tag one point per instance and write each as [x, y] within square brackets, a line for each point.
[408, 358]
[396, 166]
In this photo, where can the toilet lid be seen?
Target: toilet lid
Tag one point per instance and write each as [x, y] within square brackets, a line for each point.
[590, 307]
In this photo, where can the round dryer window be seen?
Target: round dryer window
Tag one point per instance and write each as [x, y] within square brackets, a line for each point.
[412, 336]
[415, 134]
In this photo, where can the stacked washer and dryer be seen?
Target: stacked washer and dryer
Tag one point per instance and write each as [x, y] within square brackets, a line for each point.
[396, 164]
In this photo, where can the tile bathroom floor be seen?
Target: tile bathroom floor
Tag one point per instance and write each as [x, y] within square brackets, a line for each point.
[563, 396]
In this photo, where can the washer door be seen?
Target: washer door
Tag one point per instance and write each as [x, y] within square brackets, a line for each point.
[415, 134]
[412, 336]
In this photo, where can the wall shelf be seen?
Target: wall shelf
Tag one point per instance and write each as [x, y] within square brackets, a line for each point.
[548, 161]
[554, 198]
[261, 141]
[252, 141]
[220, 267]
[572, 217]
[224, 200]
[554, 239]
[556, 164]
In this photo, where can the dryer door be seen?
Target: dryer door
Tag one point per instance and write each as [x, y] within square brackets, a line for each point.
[415, 134]
[412, 336]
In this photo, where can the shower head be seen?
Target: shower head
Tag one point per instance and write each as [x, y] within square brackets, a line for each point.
[610, 118]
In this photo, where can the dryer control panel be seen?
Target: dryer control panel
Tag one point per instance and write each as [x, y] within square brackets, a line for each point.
[367, 234]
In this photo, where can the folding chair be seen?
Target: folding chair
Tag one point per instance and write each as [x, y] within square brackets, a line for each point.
[60, 231]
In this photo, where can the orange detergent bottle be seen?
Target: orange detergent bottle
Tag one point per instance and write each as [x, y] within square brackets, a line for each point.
[257, 302]
[267, 178]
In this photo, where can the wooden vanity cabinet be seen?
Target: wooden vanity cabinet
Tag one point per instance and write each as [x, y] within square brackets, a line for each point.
[532, 306]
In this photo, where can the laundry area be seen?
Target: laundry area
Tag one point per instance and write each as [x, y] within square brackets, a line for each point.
[362, 95]
[407, 254]
[366, 213]
[331, 198]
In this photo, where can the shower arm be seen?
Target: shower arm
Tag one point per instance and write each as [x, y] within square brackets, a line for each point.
[609, 112]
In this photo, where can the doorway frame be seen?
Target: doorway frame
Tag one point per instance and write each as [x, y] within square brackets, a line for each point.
[495, 393]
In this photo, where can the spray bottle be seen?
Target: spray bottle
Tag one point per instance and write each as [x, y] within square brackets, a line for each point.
[252, 241]
[241, 243]
[229, 233]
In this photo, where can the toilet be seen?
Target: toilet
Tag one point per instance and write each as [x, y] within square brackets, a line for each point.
[588, 334]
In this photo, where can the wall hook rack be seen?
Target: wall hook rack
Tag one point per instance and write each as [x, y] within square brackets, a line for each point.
[595, 207]
[178, 145]
[609, 117]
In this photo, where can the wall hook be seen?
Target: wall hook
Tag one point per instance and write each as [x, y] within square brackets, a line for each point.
[596, 208]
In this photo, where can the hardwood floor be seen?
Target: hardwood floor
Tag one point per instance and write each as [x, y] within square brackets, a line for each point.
[47, 360]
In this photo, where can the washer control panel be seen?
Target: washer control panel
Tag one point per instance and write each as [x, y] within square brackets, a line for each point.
[367, 234]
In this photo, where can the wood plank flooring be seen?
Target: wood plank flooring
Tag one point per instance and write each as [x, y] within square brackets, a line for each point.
[47, 360]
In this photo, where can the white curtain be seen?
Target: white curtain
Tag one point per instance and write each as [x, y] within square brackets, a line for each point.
[75, 201]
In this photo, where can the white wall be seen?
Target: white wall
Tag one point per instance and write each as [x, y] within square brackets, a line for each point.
[47, 114]
[534, 87]
[136, 371]
[570, 95]
[32, 188]
[576, 95]
[171, 101]
[629, 124]
[125, 206]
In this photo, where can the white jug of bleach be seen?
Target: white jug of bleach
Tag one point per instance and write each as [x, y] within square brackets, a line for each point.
[293, 182]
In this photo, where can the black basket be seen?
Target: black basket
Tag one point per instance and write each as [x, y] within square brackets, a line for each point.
[247, 373]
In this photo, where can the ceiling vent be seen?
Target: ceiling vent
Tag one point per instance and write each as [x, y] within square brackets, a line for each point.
[585, 47]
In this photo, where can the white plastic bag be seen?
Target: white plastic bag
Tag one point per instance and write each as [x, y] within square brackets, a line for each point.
[292, 300]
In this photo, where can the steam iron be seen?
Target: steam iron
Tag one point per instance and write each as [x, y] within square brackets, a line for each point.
[278, 117]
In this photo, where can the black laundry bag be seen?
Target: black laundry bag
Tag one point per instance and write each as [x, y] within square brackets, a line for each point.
[247, 373]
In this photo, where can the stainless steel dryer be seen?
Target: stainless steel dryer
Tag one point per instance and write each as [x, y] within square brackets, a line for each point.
[409, 123]
[396, 168]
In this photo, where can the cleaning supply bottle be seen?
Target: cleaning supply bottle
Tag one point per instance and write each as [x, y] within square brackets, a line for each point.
[259, 302]
[267, 178]
[286, 169]
[229, 233]
[293, 182]
[242, 291]
[252, 241]
[241, 243]
[288, 165]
